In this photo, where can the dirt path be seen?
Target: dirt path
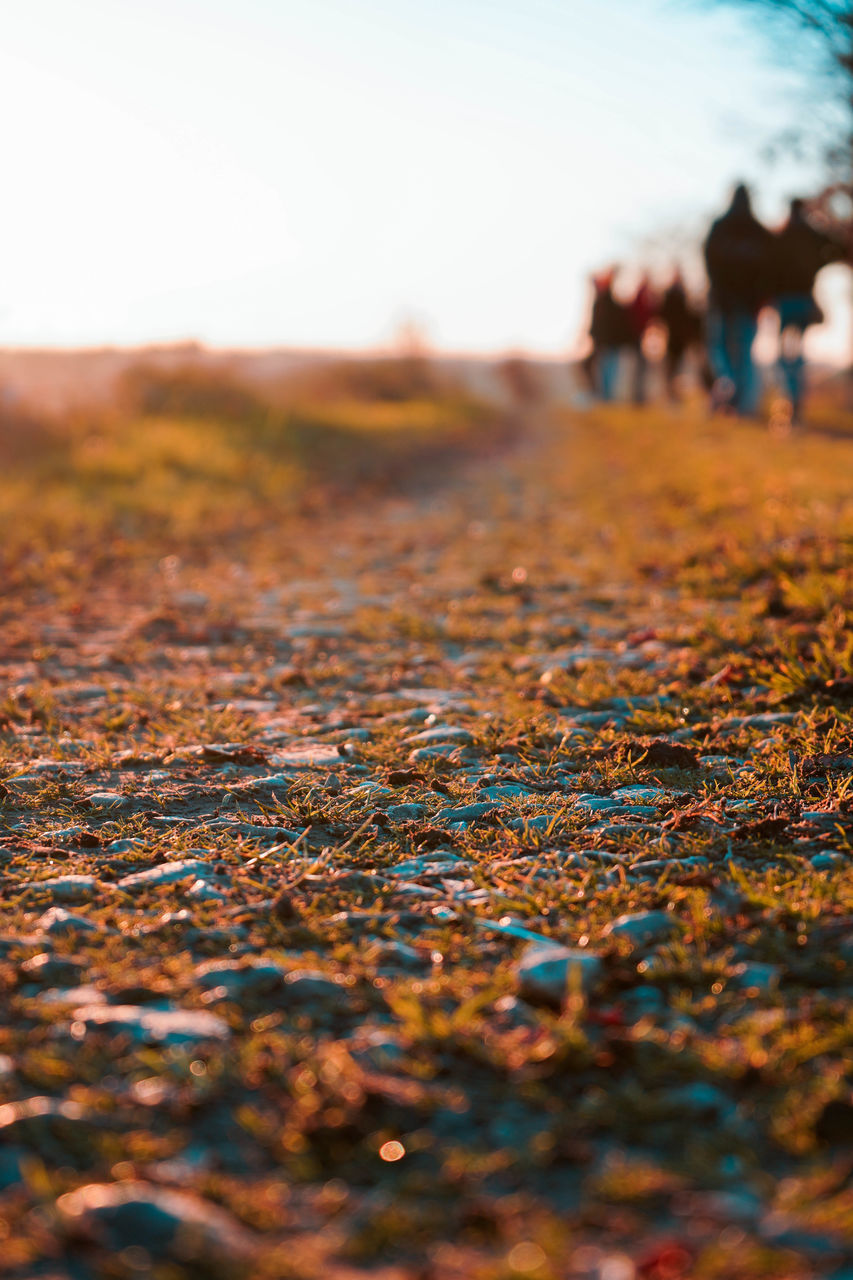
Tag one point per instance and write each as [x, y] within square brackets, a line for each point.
[418, 899]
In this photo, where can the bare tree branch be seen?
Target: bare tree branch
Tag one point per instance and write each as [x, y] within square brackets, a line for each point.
[815, 39]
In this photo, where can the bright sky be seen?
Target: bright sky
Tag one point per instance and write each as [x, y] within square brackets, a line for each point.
[315, 172]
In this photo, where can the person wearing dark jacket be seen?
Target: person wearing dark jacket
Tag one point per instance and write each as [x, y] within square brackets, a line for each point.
[606, 329]
[739, 252]
[801, 250]
[683, 330]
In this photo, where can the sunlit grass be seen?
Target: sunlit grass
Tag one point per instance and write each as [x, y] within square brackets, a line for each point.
[105, 486]
[677, 574]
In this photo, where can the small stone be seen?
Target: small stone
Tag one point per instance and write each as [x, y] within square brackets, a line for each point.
[510, 1012]
[720, 762]
[173, 920]
[109, 800]
[438, 701]
[275, 835]
[10, 942]
[83, 994]
[83, 693]
[595, 803]
[158, 1026]
[596, 719]
[504, 792]
[315, 631]
[436, 751]
[65, 833]
[413, 890]
[653, 867]
[644, 928]
[393, 955]
[58, 921]
[825, 860]
[190, 599]
[539, 822]
[310, 755]
[124, 846]
[548, 973]
[24, 784]
[761, 720]
[638, 794]
[202, 891]
[311, 987]
[406, 812]
[73, 888]
[51, 970]
[361, 921]
[466, 813]
[25, 1120]
[272, 782]
[227, 752]
[372, 789]
[165, 873]
[439, 733]
[165, 1223]
[756, 976]
[247, 977]
[375, 1048]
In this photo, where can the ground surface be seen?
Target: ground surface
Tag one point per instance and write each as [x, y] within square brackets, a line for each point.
[282, 802]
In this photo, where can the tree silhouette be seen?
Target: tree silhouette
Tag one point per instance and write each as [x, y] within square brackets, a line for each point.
[813, 38]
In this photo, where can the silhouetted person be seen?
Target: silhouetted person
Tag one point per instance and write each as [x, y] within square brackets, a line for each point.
[683, 327]
[800, 252]
[607, 330]
[640, 312]
[738, 256]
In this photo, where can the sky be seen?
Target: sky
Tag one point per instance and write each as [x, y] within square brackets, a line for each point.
[322, 172]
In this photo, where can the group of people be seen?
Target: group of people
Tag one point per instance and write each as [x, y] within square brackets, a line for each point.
[749, 267]
[619, 328]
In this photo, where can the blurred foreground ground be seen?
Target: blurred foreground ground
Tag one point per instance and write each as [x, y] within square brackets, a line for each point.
[312, 705]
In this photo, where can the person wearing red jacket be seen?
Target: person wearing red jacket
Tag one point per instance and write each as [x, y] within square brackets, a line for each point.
[641, 311]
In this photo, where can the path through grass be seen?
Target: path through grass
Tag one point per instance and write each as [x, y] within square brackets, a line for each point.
[285, 783]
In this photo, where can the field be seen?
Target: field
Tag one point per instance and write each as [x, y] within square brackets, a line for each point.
[425, 838]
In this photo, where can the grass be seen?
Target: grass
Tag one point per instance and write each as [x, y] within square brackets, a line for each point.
[192, 460]
[193, 593]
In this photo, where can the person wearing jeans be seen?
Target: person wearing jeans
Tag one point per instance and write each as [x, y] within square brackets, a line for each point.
[606, 331]
[739, 259]
[800, 252]
[730, 335]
